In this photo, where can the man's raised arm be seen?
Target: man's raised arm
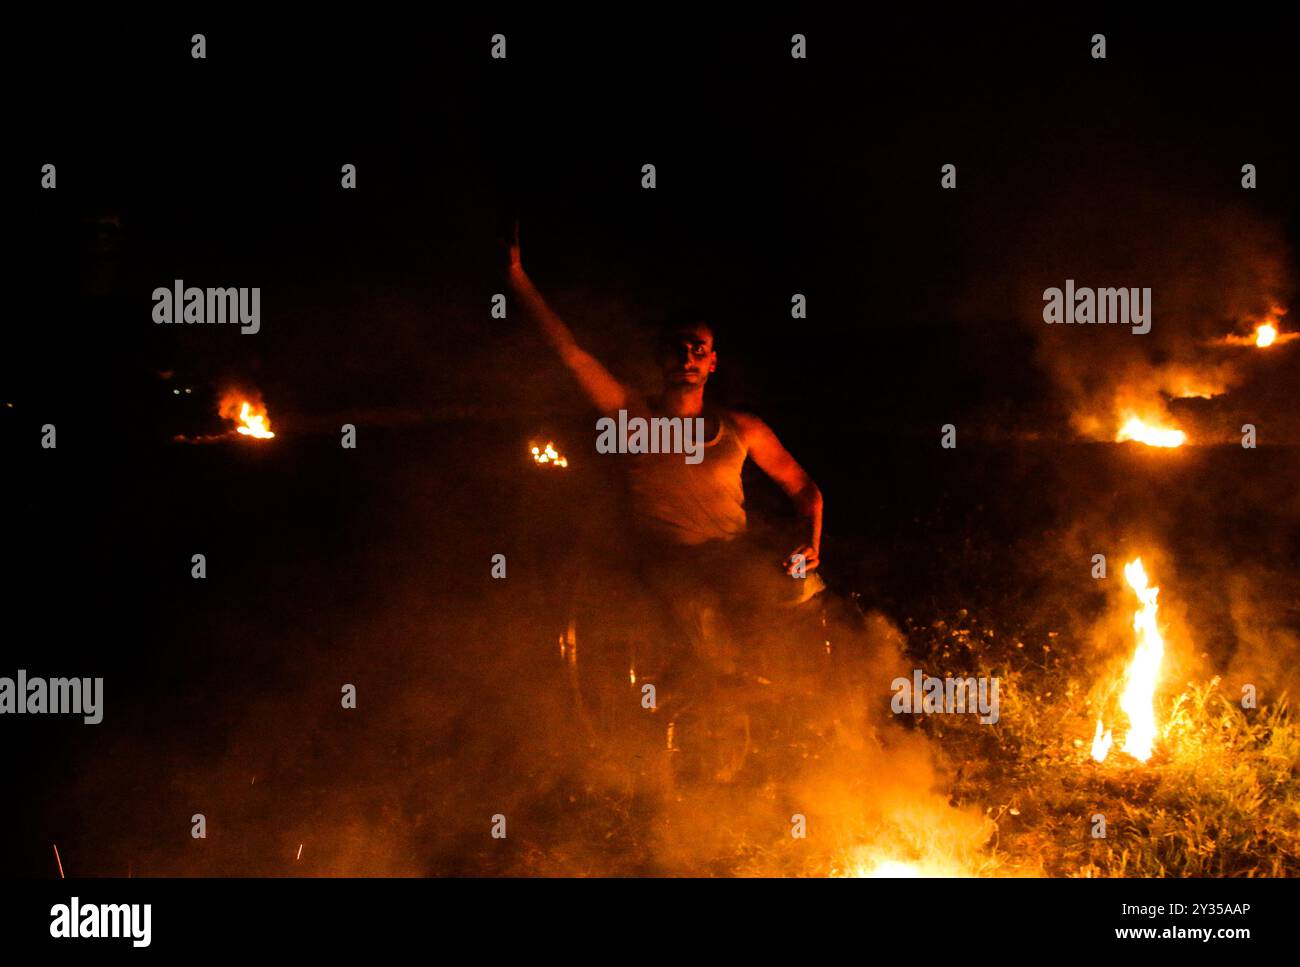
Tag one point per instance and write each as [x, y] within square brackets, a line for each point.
[604, 391]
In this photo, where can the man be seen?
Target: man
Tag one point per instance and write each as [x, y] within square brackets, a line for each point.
[691, 516]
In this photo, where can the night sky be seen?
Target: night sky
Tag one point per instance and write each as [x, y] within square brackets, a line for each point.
[775, 176]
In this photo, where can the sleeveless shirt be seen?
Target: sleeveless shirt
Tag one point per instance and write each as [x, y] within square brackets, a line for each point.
[685, 503]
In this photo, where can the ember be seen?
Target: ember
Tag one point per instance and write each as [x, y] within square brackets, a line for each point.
[547, 455]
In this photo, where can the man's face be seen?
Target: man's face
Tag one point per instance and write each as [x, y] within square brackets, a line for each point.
[687, 356]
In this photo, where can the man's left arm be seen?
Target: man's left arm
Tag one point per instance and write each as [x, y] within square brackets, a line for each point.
[775, 461]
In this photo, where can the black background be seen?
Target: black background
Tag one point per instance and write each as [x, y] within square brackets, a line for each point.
[774, 176]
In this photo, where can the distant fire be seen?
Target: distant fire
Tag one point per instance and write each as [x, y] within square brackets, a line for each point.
[1142, 403]
[1261, 337]
[1137, 429]
[246, 411]
[547, 456]
[249, 415]
[1142, 675]
[1267, 332]
[253, 424]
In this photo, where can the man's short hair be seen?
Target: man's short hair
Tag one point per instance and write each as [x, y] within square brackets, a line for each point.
[680, 322]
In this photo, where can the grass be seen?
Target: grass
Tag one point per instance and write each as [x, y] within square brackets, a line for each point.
[1219, 797]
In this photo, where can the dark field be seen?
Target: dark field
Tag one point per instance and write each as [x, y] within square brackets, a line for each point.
[779, 179]
[371, 567]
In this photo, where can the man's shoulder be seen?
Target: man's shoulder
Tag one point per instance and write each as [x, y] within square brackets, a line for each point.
[745, 423]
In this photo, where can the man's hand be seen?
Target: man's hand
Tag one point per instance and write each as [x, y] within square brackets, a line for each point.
[811, 558]
[775, 461]
[605, 392]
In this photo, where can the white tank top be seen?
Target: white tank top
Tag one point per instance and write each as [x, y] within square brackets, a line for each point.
[685, 503]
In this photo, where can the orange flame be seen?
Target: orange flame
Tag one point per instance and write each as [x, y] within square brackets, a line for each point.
[866, 864]
[920, 838]
[548, 456]
[1266, 333]
[250, 415]
[1138, 429]
[254, 424]
[1142, 675]
[1101, 742]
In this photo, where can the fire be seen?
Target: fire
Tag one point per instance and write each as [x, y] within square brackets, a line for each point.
[250, 415]
[1142, 675]
[1101, 742]
[894, 870]
[921, 838]
[1138, 700]
[1267, 332]
[1136, 428]
[254, 424]
[548, 456]
[863, 866]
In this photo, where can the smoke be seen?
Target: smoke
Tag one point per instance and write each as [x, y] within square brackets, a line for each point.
[1267, 653]
[1160, 215]
[1211, 273]
[466, 710]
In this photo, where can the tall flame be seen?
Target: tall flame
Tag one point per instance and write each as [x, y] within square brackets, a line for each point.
[1142, 675]
[1138, 700]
